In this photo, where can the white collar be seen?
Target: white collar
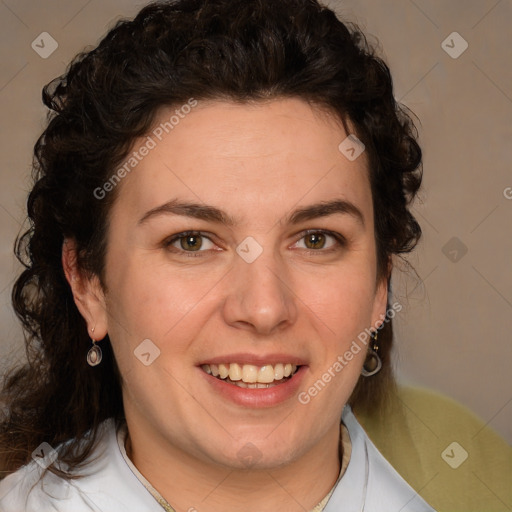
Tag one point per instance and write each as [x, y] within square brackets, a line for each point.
[370, 483]
[121, 442]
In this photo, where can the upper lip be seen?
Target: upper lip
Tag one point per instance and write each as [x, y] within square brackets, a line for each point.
[255, 359]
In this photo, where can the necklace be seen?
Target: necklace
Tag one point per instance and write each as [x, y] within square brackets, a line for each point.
[122, 439]
[165, 505]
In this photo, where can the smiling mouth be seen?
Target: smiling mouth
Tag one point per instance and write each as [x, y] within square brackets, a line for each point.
[251, 376]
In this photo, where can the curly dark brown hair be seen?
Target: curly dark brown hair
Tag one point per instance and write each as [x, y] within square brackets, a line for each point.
[236, 50]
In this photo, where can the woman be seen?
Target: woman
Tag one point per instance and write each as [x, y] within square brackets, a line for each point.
[218, 197]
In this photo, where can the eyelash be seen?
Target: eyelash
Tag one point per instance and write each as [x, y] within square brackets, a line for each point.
[191, 254]
[340, 242]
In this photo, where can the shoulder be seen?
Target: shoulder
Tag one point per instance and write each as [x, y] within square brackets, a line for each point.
[370, 482]
[105, 484]
[443, 450]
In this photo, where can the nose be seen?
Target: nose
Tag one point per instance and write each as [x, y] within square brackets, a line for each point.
[259, 297]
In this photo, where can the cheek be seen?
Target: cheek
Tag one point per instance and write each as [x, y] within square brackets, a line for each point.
[151, 301]
[340, 309]
[343, 300]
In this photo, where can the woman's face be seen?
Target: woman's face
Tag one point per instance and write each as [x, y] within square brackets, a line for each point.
[243, 238]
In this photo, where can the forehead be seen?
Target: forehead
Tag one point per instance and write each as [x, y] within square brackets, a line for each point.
[273, 154]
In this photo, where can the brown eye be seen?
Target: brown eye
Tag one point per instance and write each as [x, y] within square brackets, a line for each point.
[315, 240]
[321, 241]
[191, 242]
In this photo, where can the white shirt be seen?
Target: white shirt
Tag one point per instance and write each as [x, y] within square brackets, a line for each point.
[369, 484]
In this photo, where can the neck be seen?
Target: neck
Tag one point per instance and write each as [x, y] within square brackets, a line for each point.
[191, 485]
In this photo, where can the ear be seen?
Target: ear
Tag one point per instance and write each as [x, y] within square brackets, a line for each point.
[380, 302]
[87, 292]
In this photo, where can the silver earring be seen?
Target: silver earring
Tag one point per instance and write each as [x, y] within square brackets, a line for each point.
[94, 355]
[373, 363]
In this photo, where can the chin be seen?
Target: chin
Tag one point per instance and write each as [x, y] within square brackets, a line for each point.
[261, 452]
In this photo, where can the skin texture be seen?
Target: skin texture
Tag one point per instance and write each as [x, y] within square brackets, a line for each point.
[258, 163]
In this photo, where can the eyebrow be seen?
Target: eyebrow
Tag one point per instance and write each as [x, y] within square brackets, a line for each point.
[213, 214]
[325, 209]
[194, 210]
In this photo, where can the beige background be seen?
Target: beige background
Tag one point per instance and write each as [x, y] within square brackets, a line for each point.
[455, 335]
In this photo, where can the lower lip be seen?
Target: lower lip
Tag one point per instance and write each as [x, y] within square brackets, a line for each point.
[258, 397]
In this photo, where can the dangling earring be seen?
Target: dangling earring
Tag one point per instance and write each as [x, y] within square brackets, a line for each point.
[94, 355]
[373, 363]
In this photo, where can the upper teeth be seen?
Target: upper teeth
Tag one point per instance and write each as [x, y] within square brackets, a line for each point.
[249, 373]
